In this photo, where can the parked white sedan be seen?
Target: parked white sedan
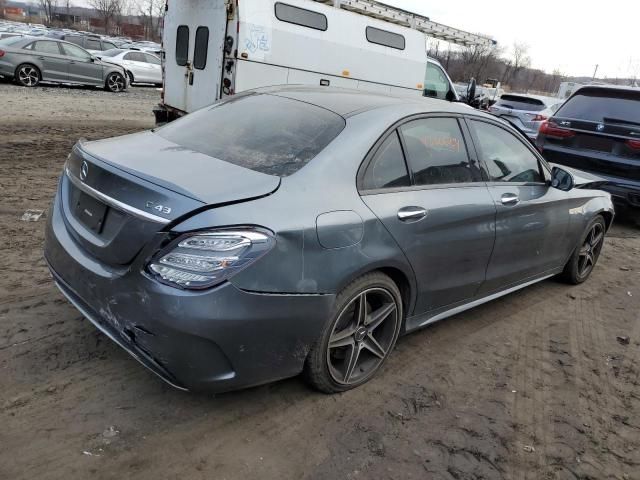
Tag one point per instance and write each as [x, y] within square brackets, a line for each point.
[141, 67]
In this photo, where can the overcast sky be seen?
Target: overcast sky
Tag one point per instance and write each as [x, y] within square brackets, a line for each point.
[570, 35]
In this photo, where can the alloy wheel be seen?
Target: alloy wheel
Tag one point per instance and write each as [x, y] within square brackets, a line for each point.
[590, 250]
[115, 82]
[362, 336]
[28, 76]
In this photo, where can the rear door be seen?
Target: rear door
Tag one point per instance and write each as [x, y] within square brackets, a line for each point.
[52, 60]
[532, 218]
[194, 40]
[440, 212]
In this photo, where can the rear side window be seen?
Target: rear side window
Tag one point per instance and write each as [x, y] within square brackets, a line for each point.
[601, 105]
[383, 37]
[265, 133]
[74, 39]
[135, 57]
[182, 45]
[47, 47]
[201, 49]
[436, 152]
[388, 168]
[301, 16]
[507, 159]
[516, 102]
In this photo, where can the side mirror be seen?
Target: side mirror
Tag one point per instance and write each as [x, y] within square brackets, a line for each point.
[561, 179]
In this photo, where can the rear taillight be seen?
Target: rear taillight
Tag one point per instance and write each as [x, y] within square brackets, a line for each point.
[1, 53]
[633, 144]
[539, 118]
[550, 129]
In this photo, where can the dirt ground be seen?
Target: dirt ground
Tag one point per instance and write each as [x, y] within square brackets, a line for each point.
[532, 386]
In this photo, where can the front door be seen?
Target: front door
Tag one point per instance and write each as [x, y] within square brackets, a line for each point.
[532, 217]
[80, 66]
[194, 38]
[440, 212]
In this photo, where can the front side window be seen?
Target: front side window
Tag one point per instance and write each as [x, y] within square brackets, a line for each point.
[75, 52]
[388, 168]
[436, 152]
[436, 83]
[47, 47]
[507, 158]
[383, 37]
[182, 45]
[201, 48]
[301, 16]
[266, 133]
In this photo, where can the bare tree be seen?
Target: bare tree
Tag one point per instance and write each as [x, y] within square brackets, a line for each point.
[108, 10]
[520, 59]
[2, 5]
[148, 10]
[49, 7]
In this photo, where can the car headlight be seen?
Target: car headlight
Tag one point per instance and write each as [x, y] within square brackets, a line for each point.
[203, 259]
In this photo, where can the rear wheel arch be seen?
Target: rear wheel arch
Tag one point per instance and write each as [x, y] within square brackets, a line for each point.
[401, 277]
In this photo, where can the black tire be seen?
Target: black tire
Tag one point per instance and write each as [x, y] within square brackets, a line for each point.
[131, 78]
[115, 83]
[585, 256]
[362, 354]
[28, 75]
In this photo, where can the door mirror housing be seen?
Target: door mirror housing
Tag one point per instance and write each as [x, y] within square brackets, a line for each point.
[562, 179]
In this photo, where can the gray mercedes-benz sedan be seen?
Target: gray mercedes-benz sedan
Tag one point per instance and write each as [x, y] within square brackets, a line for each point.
[300, 229]
[31, 60]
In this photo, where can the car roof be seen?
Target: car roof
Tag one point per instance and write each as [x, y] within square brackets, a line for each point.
[604, 88]
[347, 102]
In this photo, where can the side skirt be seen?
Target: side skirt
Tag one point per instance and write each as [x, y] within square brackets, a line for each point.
[420, 321]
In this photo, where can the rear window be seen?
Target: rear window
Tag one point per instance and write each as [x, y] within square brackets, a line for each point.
[265, 133]
[521, 103]
[602, 105]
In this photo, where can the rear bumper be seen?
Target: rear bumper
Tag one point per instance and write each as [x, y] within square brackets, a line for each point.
[216, 340]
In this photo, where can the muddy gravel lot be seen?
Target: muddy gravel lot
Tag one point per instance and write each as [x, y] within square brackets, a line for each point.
[533, 386]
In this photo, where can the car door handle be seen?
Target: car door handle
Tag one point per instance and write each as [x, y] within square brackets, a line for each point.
[411, 214]
[510, 199]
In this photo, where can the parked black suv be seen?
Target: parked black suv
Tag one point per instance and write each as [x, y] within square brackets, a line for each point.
[598, 130]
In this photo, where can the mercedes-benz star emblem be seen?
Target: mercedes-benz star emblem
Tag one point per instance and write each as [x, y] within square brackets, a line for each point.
[84, 170]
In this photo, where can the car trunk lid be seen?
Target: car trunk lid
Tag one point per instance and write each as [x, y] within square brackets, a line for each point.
[118, 193]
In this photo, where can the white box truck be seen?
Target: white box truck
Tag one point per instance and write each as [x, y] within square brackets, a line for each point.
[216, 48]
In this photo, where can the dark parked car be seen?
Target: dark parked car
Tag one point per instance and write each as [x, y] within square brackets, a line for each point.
[93, 43]
[296, 229]
[31, 60]
[598, 130]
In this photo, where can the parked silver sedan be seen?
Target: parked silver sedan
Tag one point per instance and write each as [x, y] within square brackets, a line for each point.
[525, 112]
[141, 67]
[30, 60]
